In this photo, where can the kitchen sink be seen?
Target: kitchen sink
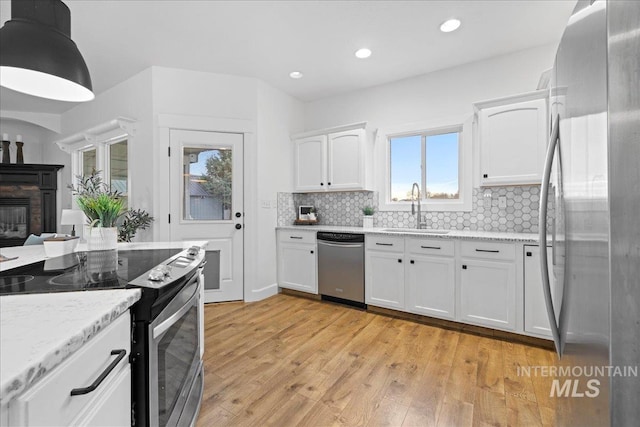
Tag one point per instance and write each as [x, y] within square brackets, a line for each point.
[415, 230]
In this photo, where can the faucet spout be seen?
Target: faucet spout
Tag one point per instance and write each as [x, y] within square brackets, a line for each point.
[415, 187]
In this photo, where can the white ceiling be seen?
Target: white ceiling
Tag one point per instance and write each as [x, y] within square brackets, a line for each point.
[269, 39]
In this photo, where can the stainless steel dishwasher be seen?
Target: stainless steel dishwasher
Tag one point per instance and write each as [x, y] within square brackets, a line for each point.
[341, 267]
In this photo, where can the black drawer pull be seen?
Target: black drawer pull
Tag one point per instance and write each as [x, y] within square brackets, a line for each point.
[103, 375]
[311, 251]
[464, 267]
[529, 254]
[485, 175]
[295, 237]
[412, 262]
[430, 247]
[399, 260]
[384, 244]
[487, 250]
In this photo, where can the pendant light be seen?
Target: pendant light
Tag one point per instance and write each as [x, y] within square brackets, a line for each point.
[37, 55]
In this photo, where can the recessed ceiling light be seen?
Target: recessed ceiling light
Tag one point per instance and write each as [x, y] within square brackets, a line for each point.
[295, 75]
[363, 53]
[450, 25]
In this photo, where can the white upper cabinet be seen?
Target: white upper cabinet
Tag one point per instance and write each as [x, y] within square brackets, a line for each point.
[336, 159]
[310, 163]
[513, 134]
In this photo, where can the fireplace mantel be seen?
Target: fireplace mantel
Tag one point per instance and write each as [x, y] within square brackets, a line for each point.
[37, 182]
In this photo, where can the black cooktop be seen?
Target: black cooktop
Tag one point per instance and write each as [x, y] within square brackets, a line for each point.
[82, 271]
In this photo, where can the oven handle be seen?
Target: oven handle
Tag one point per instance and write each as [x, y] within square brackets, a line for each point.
[164, 326]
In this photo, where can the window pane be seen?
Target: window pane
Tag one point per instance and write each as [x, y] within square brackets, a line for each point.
[207, 184]
[405, 154]
[442, 166]
[118, 162]
[88, 162]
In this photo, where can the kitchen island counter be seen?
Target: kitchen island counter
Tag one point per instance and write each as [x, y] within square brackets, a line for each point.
[40, 331]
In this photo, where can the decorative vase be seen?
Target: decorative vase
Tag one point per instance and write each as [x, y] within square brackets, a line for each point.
[367, 221]
[102, 238]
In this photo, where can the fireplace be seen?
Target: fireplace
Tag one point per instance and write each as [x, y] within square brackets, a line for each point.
[27, 201]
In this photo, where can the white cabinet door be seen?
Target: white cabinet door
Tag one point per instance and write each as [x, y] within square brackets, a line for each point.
[513, 141]
[346, 159]
[487, 293]
[431, 286]
[310, 163]
[535, 312]
[297, 267]
[384, 276]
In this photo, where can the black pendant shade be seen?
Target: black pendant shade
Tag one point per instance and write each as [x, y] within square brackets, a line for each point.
[37, 55]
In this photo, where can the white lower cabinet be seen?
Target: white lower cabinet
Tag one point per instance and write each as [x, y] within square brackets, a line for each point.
[487, 293]
[297, 262]
[49, 402]
[536, 321]
[384, 278]
[431, 285]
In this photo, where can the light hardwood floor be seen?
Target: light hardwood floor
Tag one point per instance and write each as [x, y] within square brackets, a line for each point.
[289, 361]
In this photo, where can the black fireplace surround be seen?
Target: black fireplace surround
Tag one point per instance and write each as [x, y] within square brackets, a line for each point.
[27, 201]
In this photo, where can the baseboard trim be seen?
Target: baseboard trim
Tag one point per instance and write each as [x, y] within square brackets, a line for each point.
[262, 293]
[300, 294]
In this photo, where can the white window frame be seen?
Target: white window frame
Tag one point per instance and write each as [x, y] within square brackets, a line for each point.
[464, 125]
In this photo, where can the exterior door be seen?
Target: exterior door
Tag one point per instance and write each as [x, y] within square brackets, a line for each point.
[206, 198]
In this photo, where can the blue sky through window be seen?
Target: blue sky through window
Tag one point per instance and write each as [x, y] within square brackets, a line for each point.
[441, 165]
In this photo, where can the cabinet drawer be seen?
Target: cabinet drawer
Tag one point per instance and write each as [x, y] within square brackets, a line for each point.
[384, 243]
[488, 250]
[430, 246]
[293, 236]
[50, 402]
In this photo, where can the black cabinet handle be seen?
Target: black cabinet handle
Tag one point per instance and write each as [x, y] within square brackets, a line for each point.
[384, 244]
[238, 226]
[322, 183]
[529, 254]
[238, 214]
[412, 262]
[485, 176]
[328, 183]
[399, 260]
[103, 375]
[311, 251]
[430, 247]
[464, 267]
[295, 237]
[487, 250]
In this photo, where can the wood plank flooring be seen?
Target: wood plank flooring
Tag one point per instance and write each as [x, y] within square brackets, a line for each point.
[289, 361]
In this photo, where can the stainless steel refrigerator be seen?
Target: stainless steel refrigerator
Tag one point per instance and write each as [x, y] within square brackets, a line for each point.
[592, 179]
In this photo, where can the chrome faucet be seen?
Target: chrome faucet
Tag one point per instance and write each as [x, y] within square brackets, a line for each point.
[419, 222]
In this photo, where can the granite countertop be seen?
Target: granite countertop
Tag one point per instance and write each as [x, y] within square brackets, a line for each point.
[453, 234]
[34, 253]
[39, 331]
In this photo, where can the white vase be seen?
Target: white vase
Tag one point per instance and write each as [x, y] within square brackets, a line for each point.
[102, 238]
[367, 221]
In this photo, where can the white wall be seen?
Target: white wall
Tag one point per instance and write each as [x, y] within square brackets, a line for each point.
[131, 99]
[34, 137]
[435, 95]
[279, 116]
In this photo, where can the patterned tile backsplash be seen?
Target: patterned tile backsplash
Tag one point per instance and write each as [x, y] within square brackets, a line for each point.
[345, 208]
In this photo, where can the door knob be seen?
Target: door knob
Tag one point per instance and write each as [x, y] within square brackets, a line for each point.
[238, 226]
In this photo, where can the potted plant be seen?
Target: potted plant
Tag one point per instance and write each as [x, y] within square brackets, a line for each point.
[108, 220]
[367, 219]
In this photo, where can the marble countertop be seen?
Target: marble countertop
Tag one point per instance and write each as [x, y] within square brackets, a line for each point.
[453, 234]
[39, 331]
[34, 253]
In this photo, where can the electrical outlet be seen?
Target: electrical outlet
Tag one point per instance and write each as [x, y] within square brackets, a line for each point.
[265, 204]
[502, 202]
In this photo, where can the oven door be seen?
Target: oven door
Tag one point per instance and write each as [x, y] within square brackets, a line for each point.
[174, 356]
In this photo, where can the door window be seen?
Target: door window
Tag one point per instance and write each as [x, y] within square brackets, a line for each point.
[207, 184]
